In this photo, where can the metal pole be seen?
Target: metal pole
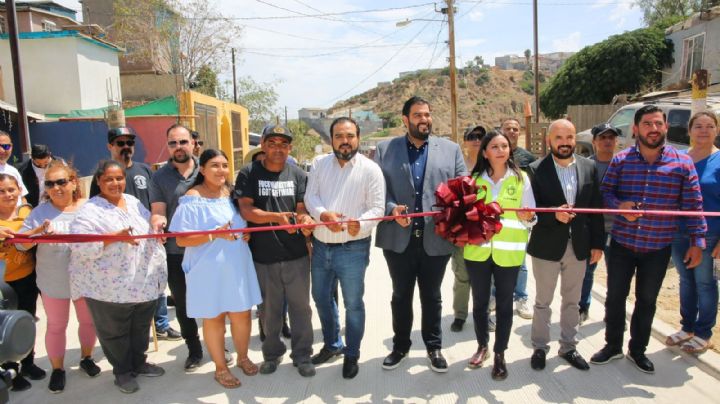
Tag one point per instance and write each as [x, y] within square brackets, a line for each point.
[453, 87]
[23, 132]
[537, 63]
[286, 115]
[232, 50]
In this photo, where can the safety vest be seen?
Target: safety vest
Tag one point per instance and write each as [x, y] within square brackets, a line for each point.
[508, 246]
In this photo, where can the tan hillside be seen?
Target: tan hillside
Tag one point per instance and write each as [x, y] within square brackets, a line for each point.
[485, 96]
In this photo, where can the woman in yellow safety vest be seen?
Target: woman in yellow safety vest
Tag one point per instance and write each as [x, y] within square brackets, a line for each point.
[500, 180]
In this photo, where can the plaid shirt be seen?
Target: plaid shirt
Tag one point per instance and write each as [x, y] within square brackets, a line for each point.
[670, 183]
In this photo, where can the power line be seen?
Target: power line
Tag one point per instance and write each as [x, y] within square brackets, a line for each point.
[282, 55]
[526, 3]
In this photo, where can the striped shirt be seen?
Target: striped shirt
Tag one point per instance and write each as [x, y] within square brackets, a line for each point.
[568, 180]
[356, 190]
[669, 183]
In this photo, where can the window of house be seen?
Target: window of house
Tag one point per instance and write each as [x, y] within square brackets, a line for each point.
[692, 55]
[48, 26]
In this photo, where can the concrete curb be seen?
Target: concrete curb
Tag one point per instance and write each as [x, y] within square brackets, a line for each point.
[708, 362]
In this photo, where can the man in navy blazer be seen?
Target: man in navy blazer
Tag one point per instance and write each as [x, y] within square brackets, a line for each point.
[413, 166]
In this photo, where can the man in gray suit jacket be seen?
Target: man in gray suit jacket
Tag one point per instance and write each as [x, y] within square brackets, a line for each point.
[413, 166]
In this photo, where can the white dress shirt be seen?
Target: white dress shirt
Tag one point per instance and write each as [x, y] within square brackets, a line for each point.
[355, 190]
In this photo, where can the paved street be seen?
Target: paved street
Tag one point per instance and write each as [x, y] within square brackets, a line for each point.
[677, 379]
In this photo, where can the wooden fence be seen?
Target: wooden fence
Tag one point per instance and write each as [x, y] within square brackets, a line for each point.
[586, 116]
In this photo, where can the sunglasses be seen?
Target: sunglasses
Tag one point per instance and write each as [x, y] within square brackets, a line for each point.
[61, 183]
[200, 142]
[6, 146]
[122, 143]
[174, 143]
[472, 136]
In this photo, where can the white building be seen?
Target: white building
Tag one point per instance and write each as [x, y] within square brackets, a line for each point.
[696, 46]
[62, 71]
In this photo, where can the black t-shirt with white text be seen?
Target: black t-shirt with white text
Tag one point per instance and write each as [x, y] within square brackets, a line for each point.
[273, 192]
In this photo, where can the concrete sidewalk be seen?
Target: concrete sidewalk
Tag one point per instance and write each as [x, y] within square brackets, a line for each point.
[678, 377]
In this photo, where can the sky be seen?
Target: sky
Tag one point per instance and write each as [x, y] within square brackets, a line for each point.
[323, 51]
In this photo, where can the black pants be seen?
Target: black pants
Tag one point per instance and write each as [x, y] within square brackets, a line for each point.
[27, 294]
[481, 276]
[623, 265]
[123, 331]
[188, 326]
[406, 268]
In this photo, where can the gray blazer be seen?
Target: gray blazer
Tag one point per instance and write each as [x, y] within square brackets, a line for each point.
[445, 161]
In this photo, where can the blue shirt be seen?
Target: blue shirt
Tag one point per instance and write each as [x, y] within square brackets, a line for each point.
[418, 161]
[708, 170]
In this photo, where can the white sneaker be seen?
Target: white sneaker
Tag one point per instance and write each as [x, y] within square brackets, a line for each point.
[491, 307]
[523, 309]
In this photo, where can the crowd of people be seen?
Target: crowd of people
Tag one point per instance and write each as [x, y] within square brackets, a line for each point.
[117, 285]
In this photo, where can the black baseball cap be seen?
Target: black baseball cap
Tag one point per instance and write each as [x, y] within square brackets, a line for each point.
[277, 130]
[479, 129]
[121, 131]
[605, 127]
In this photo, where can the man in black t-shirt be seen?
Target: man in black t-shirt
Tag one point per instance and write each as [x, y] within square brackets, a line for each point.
[271, 192]
[138, 183]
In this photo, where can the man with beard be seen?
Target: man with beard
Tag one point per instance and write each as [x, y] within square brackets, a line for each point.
[138, 183]
[413, 166]
[651, 175]
[171, 182]
[561, 242]
[344, 186]
[271, 192]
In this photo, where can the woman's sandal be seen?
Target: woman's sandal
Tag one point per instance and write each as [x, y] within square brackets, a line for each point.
[678, 338]
[226, 379]
[696, 345]
[247, 366]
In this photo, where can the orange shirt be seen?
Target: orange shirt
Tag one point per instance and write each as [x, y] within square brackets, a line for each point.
[18, 264]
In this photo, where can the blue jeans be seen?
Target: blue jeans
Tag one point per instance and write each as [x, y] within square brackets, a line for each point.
[162, 322]
[520, 292]
[585, 296]
[698, 288]
[347, 263]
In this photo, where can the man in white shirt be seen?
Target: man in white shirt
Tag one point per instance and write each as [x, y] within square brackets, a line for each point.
[343, 186]
[6, 147]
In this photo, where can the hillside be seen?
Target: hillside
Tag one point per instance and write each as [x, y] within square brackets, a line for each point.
[485, 96]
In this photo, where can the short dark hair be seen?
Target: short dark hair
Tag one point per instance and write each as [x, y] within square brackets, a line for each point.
[175, 126]
[39, 151]
[344, 119]
[104, 165]
[412, 101]
[647, 109]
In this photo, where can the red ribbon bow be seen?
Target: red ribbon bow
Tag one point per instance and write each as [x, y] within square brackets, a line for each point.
[464, 218]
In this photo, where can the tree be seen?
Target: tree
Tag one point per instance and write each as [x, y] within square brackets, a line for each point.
[663, 13]
[304, 141]
[206, 81]
[259, 98]
[527, 58]
[623, 63]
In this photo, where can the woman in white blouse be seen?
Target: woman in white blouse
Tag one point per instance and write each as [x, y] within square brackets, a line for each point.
[120, 280]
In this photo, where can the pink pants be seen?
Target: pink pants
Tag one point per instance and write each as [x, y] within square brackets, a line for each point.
[58, 315]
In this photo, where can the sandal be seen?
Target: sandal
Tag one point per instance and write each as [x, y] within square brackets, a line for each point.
[678, 338]
[247, 366]
[226, 379]
[696, 345]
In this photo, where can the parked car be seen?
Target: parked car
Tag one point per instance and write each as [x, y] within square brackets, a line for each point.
[677, 109]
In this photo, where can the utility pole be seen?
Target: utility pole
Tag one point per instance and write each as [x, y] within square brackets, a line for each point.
[13, 35]
[537, 61]
[453, 85]
[232, 51]
[286, 115]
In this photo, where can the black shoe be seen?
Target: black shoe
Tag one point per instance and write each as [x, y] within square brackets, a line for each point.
[270, 366]
[574, 358]
[641, 362]
[169, 334]
[393, 360]
[262, 331]
[325, 355]
[33, 372]
[19, 383]
[57, 381]
[286, 330]
[192, 363]
[350, 367]
[499, 370]
[605, 355]
[88, 365]
[437, 361]
[537, 360]
[457, 325]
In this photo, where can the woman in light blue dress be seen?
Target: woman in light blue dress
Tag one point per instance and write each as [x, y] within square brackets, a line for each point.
[219, 271]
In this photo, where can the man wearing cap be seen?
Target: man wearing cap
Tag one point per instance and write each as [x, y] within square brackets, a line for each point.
[271, 192]
[510, 127]
[562, 242]
[413, 166]
[33, 172]
[138, 183]
[604, 142]
[343, 186]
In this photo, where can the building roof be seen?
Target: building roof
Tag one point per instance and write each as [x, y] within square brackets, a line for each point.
[6, 106]
[695, 19]
[67, 34]
[48, 6]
